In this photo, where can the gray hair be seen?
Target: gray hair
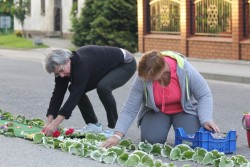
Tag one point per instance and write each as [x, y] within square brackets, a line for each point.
[55, 57]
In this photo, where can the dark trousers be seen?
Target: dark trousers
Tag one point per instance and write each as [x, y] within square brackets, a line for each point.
[155, 125]
[114, 79]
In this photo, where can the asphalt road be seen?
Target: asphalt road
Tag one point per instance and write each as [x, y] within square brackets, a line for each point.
[25, 89]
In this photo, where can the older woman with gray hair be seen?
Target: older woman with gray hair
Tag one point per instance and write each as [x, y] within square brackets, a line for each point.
[103, 68]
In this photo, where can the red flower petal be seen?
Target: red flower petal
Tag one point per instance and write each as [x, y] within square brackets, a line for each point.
[56, 133]
[69, 131]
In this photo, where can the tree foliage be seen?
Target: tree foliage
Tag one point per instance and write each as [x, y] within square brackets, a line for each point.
[6, 6]
[109, 22]
[20, 11]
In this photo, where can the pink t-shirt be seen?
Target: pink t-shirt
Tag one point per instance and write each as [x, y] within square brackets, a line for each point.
[168, 98]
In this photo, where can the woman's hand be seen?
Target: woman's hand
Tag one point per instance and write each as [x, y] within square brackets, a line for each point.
[112, 140]
[49, 129]
[52, 125]
[211, 126]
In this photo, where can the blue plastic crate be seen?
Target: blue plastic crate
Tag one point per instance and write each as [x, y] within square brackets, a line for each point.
[204, 139]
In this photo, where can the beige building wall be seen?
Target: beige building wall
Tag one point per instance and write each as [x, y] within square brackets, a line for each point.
[38, 23]
[66, 9]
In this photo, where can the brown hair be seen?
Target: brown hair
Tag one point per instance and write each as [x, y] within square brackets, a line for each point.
[151, 64]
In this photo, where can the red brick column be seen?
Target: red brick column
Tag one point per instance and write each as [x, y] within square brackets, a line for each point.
[184, 25]
[141, 16]
[237, 28]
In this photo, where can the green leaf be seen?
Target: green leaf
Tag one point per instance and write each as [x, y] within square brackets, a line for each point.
[133, 160]
[65, 145]
[109, 157]
[88, 149]
[171, 165]
[27, 122]
[87, 152]
[158, 163]
[165, 152]
[77, 149]
[91, 136]
[96, 155]
[188, 155]
[216, 163]
[122, 158]
[9, 132]
[199, 154]
[186, 165]
[20, 119]
[90, 146]
[148, 160]
[226, 162]
[184, 147]
[56, 143]
[208, 159]
[103, 150]
[125, 143]
[133, 147]
[7, 116]
[117, 150]
[38, 137]
[239, 159]
[140, 153]
[101, 137]
[175, 154]
[217, 154]
[141, 165]
[198, 158]
[157, 149]
[48, 142]
[145, 146]
[23, 134]
[245, 165]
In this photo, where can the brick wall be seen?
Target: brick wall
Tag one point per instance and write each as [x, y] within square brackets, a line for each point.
[162, 42]
[245, 50]
[209, 49]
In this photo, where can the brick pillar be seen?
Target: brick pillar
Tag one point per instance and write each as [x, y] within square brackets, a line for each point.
[237, 28]
[184, 25]
[141, 16]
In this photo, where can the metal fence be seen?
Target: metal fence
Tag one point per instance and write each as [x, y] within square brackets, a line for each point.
[165, 16]
[213, 17]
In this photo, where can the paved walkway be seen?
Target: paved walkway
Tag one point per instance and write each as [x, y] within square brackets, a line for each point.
[223, 70]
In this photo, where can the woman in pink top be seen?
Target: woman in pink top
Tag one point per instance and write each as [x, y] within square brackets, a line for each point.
[168, 91]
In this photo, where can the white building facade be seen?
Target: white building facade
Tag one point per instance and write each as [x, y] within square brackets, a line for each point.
[49, 18]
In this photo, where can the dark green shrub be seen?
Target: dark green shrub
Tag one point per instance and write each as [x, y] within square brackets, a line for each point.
[109, 22]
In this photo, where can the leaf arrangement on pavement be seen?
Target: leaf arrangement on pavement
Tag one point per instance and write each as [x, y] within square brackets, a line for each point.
[125, 153]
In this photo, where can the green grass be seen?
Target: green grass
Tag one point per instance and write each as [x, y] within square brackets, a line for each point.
[13, 42]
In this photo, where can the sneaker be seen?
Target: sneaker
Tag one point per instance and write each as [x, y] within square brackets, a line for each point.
[108, 132]
[91, 128]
